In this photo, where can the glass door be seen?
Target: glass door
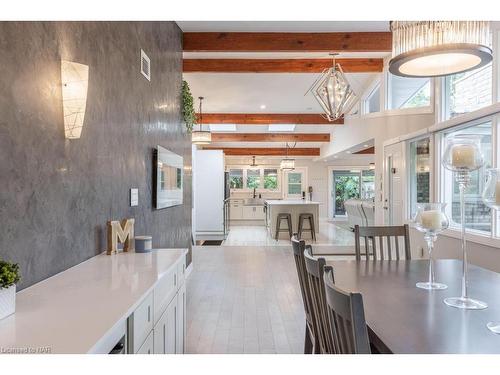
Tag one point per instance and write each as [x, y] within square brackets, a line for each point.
[295, 183]
[346, 185]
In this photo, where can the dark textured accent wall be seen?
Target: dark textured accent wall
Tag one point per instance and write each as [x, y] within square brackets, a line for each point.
[56, 194]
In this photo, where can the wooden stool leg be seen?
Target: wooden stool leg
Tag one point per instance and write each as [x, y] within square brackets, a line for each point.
[313, 229]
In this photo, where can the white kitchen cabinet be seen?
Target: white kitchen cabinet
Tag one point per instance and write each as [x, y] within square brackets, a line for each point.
[236, 210]
[148, 346]
[181, 320]
[164, 333]
[259, 213]
[140, 323]
[253, 213]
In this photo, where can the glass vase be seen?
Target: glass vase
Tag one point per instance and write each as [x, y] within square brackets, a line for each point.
[462, 156]
[431, 219]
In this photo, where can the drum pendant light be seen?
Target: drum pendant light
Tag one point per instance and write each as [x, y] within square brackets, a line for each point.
[439, 48]
[200, 136]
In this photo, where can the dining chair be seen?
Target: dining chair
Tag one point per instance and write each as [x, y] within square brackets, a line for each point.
[311, 338]
[314, 268]
[347, 318]
[378, 234]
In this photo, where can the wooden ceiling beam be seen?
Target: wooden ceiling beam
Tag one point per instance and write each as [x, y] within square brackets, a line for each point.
[366, 151]
[366, 65]
[270, 137]
[268, 118]
[260, 151]
[304, 42]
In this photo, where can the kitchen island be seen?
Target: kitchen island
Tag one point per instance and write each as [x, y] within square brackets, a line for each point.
[294, 207]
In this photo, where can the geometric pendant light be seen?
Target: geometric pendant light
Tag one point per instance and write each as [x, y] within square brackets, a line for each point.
[75, 81]
[333, 92]
[200, 136]
[439, 48]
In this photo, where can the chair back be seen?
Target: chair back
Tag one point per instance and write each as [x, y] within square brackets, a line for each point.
[347, 318]
[314, 268]
[378, 242]
[298, 247]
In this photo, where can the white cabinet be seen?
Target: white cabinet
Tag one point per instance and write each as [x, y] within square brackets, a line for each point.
[253, 213]
[236, 210]
[181, 320]
[165, 306]
[164, 333]
[147, 347]
[140, 323]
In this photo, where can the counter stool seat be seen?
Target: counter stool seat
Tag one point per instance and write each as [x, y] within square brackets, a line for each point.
[288, 218]
[309, 217]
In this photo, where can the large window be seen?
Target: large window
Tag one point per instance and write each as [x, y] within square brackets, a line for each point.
[420, 170]
[271, 179]
[236, 178]
[405, 92]
[253, 178]
[469, 91]
[368, 184]
[477, 214]
[294, 183]
[372, 101]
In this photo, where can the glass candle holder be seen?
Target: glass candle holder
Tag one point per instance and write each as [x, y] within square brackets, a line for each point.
[431, 219]
[491, 198]
[463, 155]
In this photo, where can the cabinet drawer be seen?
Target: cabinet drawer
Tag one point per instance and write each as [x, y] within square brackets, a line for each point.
[164, 292]
[147, 347]
[140, 324]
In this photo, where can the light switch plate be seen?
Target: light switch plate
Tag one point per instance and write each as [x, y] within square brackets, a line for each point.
[134, 197]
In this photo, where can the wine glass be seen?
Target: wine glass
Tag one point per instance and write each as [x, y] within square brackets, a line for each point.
[431, 219]
[491, 198]
[462, 156]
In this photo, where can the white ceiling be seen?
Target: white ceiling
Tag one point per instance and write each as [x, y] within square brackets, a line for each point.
[246, 92]
[283, 26]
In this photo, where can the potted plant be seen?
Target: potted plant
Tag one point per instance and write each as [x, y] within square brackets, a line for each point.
[188, 113]
[9, 276]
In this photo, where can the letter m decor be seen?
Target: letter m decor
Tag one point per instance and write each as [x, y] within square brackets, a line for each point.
[120, 232]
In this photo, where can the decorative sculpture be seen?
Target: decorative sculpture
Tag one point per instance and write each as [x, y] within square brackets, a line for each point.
[120, 232]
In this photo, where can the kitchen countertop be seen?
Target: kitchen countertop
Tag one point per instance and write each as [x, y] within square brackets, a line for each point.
[72, 311]
[286, 202]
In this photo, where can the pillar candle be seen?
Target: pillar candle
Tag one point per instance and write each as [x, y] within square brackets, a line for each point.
[497, 193]
[431, 219]
[463, 156]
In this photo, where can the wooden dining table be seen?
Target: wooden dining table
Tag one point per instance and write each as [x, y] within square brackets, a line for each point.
[402, 318]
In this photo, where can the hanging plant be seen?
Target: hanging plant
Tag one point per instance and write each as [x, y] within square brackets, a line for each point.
[188, 112]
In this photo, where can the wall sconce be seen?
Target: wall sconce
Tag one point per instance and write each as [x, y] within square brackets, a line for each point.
[75, 81]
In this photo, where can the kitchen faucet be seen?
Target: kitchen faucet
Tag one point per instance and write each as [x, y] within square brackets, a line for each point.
[254, 195]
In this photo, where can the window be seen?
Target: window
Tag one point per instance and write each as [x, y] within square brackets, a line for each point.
[477, 214]
[368, 184]
[253, 178]
[405, 92]
[420, 171]
[294, 180]
[469, 91]
[372, 102]
[236, 178]
[271, 179]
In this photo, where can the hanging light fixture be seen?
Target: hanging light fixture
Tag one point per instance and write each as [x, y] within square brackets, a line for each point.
[333, 92]
[200, 136]
[287, 164]
[253, 164]
[438, 48]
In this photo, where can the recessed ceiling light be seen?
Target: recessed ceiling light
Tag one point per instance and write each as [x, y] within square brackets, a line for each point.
[281, 127]
[222, 127]
[262, 106]
[366, 146]
[348, 152]
[335, 157]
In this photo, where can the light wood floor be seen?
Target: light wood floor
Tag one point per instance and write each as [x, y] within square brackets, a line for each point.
[244, 300]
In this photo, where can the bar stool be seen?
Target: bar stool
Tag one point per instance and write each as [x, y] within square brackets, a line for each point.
[310, 218]
[288, 218]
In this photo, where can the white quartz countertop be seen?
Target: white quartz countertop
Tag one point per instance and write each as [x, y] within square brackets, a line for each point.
[72, 311]
[287, 202]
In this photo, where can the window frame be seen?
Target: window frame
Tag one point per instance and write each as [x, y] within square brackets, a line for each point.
[260, 189]
[438, 132]
[375, 85]
[407, 111]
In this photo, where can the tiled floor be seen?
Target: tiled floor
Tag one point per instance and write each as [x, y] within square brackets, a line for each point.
[246, 299]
